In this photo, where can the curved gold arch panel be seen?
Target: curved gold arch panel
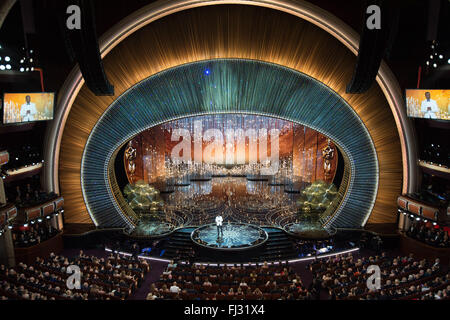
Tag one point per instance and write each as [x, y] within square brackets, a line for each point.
[233, 31]
[229, 86]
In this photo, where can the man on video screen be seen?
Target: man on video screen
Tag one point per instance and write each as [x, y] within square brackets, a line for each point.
[28, 110]
[429, 107]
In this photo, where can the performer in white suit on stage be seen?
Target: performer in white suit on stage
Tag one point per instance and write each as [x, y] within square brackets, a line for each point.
[28, 110]
[429, 107]
[219, 224]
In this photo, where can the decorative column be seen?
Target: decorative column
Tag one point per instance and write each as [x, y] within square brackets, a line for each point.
[403, 222]
[7, 213]
[57, 221]
[4, 158]
[7, 256]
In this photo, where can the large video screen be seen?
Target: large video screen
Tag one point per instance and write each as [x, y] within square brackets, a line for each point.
[428, 104]
[27, 107]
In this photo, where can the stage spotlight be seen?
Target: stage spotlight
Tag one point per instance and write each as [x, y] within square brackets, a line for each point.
[27, 69]
[435, 65]
[441, 56]
[417, 218]
[2, 67]
[22, 69]
[448, 61]
[25, 225]
[428, 63]
[8, 67]
[39, 220]
[7, 59]
[10, 227]
[32, 68]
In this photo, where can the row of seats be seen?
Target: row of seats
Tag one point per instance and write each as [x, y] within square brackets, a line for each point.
[229, 283]
[346, 278]
[433, 235]
[112, 278]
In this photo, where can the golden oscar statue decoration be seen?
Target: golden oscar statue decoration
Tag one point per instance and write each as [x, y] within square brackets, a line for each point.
[327, 155]
[130, 155]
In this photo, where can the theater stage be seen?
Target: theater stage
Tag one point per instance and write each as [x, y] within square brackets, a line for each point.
[236, 236]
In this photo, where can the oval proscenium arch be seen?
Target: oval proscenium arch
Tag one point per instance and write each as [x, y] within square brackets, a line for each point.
[229, 86]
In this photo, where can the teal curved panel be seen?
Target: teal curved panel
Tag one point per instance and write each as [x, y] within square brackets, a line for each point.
[230, 86]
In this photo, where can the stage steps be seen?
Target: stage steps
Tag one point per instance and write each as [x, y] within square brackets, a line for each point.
[179, 241]
[278, 247]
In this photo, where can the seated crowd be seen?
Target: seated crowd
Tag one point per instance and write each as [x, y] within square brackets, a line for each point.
[432, 235]
[27, 194]
[33, 234]
[113, 278]
[21, 156]
[117, 277]
[401, 278]
[193, 281]
[313, 247]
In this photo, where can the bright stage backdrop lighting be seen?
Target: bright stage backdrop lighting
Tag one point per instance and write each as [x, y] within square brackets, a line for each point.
[301, 149]
[428, 104]
[27, 107]
[238, 32]
[233, 86]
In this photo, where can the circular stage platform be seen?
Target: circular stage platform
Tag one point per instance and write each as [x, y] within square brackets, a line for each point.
[236, 236]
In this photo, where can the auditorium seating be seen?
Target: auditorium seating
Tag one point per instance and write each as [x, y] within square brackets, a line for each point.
[118, 277]
[21, 156]
[401, 277]
[213, 282]
[27, 193]
[112, 278]
[436, 236]
[34, 234]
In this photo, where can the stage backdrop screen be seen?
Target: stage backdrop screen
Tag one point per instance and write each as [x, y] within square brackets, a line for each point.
[27, 107]
[428, 104]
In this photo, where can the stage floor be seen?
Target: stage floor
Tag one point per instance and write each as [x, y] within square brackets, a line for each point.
[239, 201]
[235, 236]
